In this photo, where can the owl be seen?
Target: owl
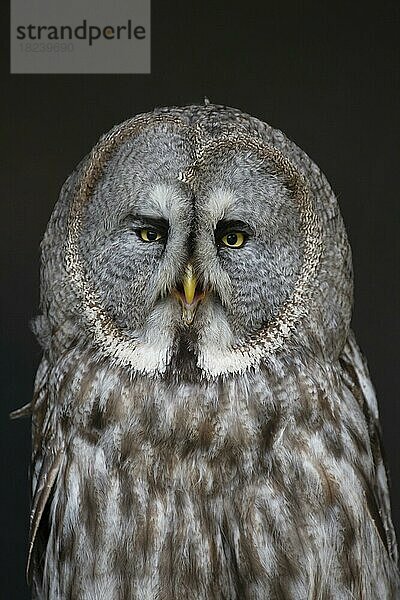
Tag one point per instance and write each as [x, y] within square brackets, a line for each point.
[204, 424]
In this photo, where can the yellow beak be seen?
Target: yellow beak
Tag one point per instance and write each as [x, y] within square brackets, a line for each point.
[189, 284]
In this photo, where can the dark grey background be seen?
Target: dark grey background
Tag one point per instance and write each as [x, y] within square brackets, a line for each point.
[329, 78]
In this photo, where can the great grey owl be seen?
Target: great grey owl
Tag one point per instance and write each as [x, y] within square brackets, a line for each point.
[204, 425]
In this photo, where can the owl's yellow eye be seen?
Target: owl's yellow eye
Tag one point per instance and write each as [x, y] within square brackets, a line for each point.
[233, 239]
[150, 235]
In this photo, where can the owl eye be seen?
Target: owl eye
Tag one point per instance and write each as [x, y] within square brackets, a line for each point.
[233, 239]
[149, 235]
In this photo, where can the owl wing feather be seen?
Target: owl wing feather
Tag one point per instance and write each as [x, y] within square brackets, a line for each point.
[47, 456]
[377, 495]
[48, 473]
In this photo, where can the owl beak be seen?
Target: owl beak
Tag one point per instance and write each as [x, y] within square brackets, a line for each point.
[188, 295]
[189, 283]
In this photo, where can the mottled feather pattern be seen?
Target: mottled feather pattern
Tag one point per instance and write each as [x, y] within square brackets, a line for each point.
[239, 457]
[246, 488]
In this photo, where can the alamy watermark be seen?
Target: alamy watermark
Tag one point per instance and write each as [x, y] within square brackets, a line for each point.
[53, 36]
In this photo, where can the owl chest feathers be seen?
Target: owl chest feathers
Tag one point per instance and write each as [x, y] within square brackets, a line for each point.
[226, 489]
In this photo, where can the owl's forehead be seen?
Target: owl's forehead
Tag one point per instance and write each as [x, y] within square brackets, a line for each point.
[162, 153]
[160, 172]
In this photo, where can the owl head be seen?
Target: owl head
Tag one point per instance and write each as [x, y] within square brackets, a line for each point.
[197, 236]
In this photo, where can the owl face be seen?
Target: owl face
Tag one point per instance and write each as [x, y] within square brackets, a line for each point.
[196, 233]
[206, 257]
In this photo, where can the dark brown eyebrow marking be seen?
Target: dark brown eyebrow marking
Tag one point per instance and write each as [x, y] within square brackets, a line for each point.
[143, 220]
[225, 226]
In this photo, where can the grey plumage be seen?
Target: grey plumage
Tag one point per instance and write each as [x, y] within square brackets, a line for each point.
[227, 448]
